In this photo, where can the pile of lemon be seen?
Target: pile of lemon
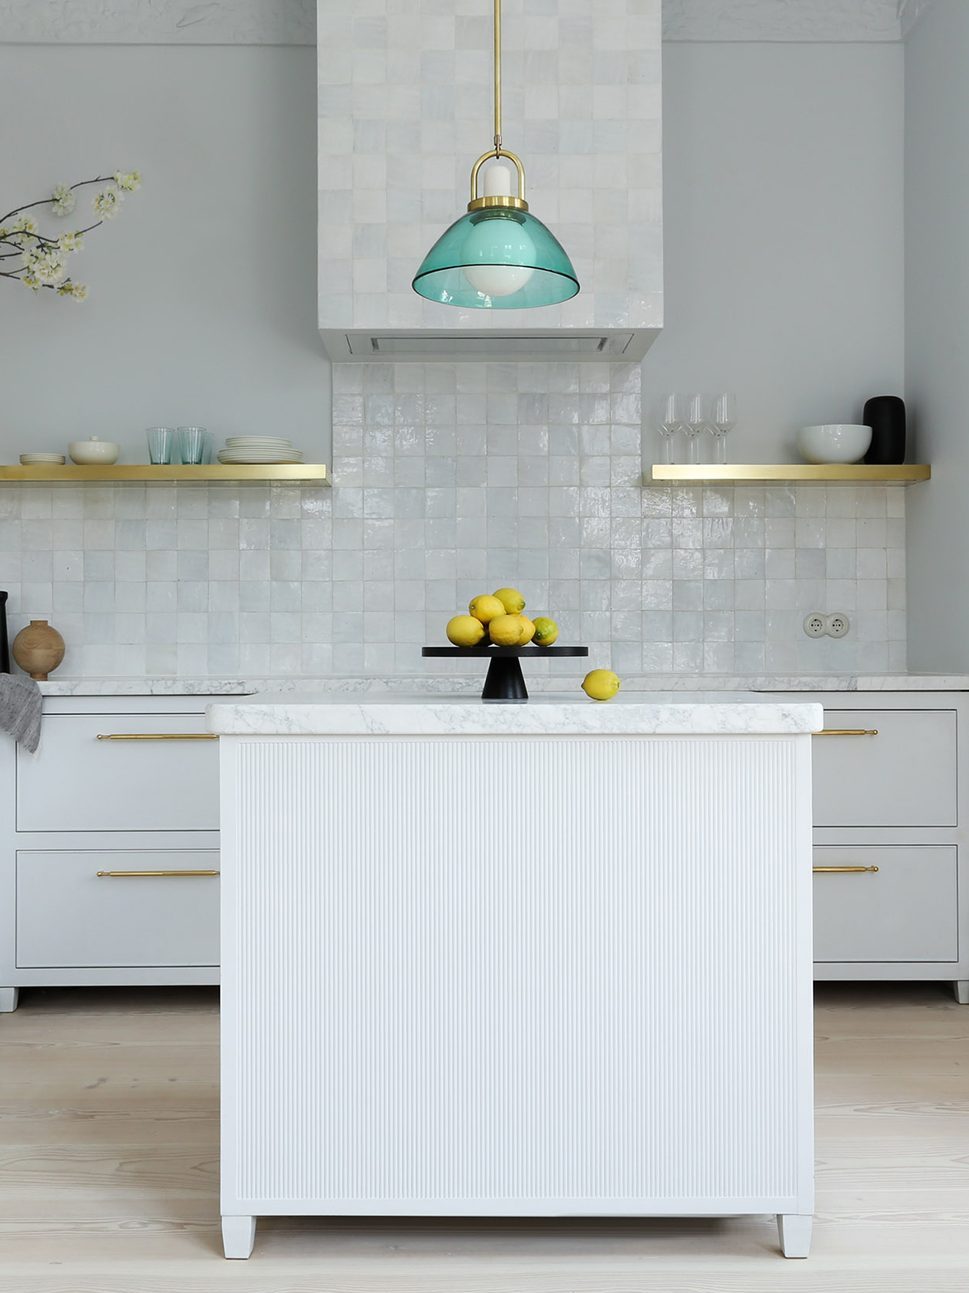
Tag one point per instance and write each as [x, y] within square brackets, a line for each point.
[499, 614]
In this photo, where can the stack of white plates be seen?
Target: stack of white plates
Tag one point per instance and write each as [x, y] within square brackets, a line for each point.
[258, 449]
[42, 460]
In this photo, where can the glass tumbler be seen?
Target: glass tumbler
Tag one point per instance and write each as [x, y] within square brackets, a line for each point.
[161, 444]
[192, 444]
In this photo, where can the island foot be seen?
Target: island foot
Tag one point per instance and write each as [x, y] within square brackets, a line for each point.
[794, 1233]
[961, 988]
[238, 1236]
[8, 1000]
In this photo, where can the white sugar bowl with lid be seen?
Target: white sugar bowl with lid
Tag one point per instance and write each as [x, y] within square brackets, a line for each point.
[94, 452]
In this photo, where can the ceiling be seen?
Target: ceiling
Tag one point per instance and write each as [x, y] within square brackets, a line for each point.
[292, 22]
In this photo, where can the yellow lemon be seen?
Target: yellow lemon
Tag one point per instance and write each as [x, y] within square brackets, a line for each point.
[486, 608]
[600, 684]
[546, 631]
[528, 630]
[510, 630]
[464, 630]
[511, 599]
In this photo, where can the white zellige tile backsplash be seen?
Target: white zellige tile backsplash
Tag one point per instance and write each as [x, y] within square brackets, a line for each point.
[449, 480]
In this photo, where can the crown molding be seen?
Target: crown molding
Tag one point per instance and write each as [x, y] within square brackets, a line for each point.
[910, 11]
[781, 20]
[293, 22]
[158, 22]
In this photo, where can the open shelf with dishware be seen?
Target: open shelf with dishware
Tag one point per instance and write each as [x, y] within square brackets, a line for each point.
[147, 473]
[786, 473]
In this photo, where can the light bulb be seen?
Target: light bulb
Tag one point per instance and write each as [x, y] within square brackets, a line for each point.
[500, 245]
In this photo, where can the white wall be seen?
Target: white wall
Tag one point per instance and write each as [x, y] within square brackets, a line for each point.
[450, 478]
[783, 232]
[937, 331]
[202, 305]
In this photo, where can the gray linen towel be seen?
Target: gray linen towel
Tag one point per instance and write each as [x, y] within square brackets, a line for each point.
[21, 705]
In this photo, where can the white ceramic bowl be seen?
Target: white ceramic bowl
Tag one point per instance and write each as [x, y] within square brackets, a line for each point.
[94, 452]
[837, 442]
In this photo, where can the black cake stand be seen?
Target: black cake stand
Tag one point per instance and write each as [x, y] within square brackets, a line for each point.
[505, 680]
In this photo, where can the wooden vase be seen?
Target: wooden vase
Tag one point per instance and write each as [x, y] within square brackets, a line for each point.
[38, 649]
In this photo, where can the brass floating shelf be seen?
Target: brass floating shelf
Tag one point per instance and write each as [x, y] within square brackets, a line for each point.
[147, 473]
[783, 472]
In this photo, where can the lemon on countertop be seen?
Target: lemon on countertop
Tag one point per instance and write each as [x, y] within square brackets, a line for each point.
[511, 599]
[486, 608]
[511, 630]
[600, 684]
[464, 631]
[546, 631]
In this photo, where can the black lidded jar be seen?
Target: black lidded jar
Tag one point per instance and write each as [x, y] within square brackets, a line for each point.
[4, 644]
[885, 414]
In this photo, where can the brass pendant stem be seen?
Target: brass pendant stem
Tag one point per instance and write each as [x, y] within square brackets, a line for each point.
[497, 77]
[498, 151]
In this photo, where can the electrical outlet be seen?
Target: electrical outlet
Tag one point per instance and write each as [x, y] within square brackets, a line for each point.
[815, 625]
[837, 625]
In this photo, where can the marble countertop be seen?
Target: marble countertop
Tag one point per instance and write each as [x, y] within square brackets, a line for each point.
[470, 684]
[548, 715]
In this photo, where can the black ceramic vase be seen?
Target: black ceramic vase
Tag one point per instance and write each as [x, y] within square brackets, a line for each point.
[885, 414]
[4, 644]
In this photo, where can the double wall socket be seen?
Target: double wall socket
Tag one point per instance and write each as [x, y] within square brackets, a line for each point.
[831, 626]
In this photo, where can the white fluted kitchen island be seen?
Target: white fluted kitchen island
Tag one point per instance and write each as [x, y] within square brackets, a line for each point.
[516, 960]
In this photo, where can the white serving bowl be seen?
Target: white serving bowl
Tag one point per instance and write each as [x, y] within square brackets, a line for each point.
[94, 452]
[837, 442]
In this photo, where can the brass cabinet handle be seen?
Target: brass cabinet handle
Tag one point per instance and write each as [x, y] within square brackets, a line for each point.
[157, 736]
[845, 870]
[847, 731]
[112, 875]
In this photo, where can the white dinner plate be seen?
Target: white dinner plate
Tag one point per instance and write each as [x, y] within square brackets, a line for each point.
[241, 442]
[255, 459]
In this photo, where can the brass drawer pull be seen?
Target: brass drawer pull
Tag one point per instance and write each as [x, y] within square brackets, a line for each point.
[847, 731]
[157, 736]
[845, 870]
[113, 875]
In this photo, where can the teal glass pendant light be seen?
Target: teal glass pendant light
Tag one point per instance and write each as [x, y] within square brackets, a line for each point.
[498, 256]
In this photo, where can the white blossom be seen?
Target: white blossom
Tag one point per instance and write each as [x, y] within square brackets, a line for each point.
[23, 240]
[30, 280]
[77, 290]
[24, 224]
[62, 199]
[128, 181]
[48, 268]
[70, 242]
[106, 203]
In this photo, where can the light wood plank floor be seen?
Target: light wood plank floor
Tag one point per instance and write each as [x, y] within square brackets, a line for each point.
[109, 1172]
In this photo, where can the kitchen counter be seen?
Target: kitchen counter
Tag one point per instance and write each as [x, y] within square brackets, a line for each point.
[544, 959]
[560, 715]
[470, 684]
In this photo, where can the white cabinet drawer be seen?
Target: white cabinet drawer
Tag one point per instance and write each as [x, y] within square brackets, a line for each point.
[82, 780]
[907, 910]
[904, 776]
[69, 915]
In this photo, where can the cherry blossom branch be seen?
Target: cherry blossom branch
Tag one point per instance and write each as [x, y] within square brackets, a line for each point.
[44, 259]
[43, 202]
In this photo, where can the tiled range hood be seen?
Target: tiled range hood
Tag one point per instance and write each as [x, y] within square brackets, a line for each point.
[405, 107]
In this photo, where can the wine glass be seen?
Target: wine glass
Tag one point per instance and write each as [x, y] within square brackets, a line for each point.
[696, 424]
[669, 421]
[723, 421]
